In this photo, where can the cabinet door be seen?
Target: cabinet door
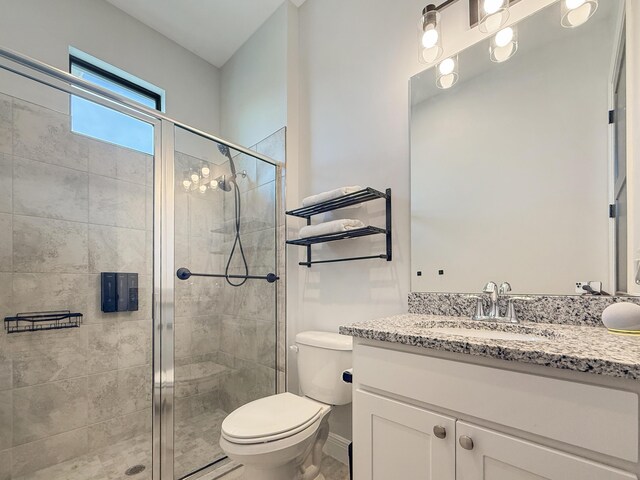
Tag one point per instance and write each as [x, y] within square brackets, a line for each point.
[493, 456]
[393, 440]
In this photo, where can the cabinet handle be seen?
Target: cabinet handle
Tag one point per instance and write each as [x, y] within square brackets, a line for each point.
[466, 442]
[439, 431]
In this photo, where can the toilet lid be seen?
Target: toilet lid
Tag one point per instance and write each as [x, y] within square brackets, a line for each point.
[270, 418]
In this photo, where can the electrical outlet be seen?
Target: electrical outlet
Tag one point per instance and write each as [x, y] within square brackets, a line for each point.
[596, 286]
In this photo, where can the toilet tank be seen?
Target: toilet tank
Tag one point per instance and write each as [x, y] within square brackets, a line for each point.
[322, 357]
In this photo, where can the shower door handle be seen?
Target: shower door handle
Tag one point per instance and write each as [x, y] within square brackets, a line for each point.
[184, 274]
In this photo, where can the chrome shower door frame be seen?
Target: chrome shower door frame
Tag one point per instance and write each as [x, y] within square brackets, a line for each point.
[164, 304]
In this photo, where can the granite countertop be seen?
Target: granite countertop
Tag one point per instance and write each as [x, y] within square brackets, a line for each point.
[569, 347]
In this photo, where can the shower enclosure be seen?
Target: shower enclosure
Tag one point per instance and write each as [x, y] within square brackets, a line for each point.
[132, 369]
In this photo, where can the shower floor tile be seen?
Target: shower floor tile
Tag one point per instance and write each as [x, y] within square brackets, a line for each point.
[109, 463]
[197, 442]
[196, 445]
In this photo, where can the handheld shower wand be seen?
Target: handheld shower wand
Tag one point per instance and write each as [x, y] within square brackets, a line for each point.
[237, 242]
[226, 151]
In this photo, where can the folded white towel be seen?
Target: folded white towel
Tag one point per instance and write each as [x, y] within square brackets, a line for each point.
[330, 195]
[335, 226]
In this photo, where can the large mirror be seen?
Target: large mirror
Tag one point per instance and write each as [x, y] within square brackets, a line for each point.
[515, 165]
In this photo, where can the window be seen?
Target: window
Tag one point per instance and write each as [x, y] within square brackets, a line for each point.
[94, 120]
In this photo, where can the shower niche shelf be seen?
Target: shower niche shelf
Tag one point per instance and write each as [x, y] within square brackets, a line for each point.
[361, 196]
[38, 321]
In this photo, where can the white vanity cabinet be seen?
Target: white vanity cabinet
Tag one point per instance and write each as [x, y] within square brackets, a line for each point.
[417, 416]
[404, 439]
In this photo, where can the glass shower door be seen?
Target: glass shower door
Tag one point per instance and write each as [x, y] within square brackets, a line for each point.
[76, 218]
[225, 325]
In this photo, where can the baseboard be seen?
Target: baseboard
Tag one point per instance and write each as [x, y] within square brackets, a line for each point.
[338, 448]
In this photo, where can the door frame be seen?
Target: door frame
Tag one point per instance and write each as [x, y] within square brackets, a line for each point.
[619, 49]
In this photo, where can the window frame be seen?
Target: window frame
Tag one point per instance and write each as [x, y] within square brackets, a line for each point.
[156, 97]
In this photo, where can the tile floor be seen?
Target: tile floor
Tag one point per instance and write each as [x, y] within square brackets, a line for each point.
[196, 445]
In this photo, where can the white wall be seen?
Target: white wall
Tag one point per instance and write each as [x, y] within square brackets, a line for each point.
[253, 91]
[44, 30]
[356, 59]
[508, 185]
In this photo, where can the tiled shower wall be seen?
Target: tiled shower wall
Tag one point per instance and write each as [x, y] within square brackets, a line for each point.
[252, 325]
[70, 208]
[197, 322]
[226, 336]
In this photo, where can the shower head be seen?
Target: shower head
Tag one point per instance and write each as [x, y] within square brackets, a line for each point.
[226, 151]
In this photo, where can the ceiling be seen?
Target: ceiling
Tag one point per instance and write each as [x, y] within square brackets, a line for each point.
[212, 29]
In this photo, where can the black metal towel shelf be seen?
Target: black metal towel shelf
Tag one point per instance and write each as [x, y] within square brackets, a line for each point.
[38, 321]
[184, 274]
[330, 237]
[361, 196]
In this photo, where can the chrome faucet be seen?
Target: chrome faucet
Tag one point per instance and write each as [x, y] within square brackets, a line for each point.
[495, 294]
[491, 289]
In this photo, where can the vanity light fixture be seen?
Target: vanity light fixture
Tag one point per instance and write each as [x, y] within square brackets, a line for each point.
[493, 14]
[577, 12]
[429, 35]
[504, 44]
[447, 72]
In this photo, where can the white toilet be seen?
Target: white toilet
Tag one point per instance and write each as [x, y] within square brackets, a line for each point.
[281, 437]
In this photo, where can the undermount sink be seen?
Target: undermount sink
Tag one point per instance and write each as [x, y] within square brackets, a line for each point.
[489, 330]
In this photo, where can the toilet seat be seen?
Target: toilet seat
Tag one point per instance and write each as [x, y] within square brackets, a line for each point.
[271, 418]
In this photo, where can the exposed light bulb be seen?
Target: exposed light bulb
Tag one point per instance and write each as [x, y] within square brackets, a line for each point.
[429, 35]
[430, 38]
[195, 177]
[205, 171]
[504, 37]
[446, 66]
[202, 188]
[578, 16]
[573, 4]
[447, 73]
[186, 184]
[577, 12]
[430, 55]
[492, 6]
[493, 15]
[447, 81]
[214, 184]
[504, 45]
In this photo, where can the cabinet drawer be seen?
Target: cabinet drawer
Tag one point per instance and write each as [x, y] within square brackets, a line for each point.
[600, 419]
